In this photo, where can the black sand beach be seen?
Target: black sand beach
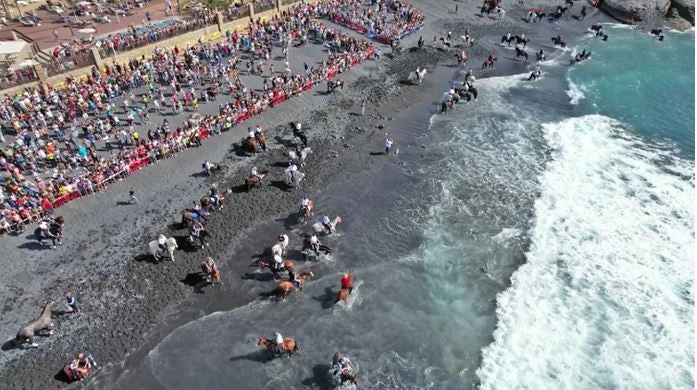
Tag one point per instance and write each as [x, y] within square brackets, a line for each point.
[130, 303]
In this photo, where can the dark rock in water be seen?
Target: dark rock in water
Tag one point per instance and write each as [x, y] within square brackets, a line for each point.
[685, 8]
[633, 10]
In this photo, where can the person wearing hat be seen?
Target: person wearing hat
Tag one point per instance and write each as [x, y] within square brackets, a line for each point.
[277, 265]
[314, 243]
[278, 343]
[71, 301]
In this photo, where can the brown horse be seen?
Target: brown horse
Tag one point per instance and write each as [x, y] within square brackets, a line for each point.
[345, 292]
[286, 287]
[44, 322]
[261, 140]
[287, 265]
[488, 63]
[289, 346]
[308, 211]
[210, 270]
[253, 181]
[251, 145]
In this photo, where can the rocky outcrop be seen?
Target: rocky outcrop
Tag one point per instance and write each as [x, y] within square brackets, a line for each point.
[629, 11]
[685, 8]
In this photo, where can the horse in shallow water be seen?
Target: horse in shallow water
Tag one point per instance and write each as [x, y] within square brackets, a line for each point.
[318, 227]
[44, 322]
[289, 346]
[286, 287]
[344, 293]
[488, 63]
[520, 53]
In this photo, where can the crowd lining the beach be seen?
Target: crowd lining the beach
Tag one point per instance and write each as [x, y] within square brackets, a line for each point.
[55, 158]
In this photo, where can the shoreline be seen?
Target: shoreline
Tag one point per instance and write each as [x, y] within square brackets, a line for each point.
[175, 294]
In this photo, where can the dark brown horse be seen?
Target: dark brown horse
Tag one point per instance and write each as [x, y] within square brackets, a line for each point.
[250, 144]
[488, 63]
[289, 346]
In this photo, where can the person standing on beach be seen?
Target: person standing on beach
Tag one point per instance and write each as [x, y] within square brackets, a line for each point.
[71, 301]
[388, 145]
[363, 108]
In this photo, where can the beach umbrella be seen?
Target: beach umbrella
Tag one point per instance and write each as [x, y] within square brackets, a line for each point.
[87, 31]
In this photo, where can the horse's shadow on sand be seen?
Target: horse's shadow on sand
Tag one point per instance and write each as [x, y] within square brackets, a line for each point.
[34, 246]
[260, 356]
[327, 300]
[196, 280]
[319, 378]
[281, 185]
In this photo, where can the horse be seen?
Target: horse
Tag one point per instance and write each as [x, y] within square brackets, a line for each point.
[519, 40]
[306, 212]
[211, 273]
[207, 201]
[417, 76]
[188, 217]
[294, 178]
[202, 237]
[658, 33]
[344, 293]
[254, 181]
[260, 138]
[508, 39]
[286, 287]
[44, 322]
[558, 42]
[521, 53]
[318, 227]
[250, 144]
[54, 233]
[580, 57]
[289, 346]
[156, 252]
[287, 265]
[299, 155]
[488, 63]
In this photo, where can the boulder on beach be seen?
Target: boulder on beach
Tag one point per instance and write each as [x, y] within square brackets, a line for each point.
[633, 10]
[685, 8]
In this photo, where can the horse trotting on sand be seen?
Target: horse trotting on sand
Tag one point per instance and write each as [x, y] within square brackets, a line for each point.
[254, 181]
[44, 322]
[289, 346]
[162, 246]
[286, 287]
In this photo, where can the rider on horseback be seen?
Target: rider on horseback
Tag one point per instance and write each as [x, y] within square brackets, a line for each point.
[207, 167]
[196, 229]
[215, 194]
[346, 283]
[278, 343]
[327, 223]
[305, 206]
[254, 174]
[161, 242]
[277, 265]
[314, 243]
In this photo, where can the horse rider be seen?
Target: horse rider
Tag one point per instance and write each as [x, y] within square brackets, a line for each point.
[162, 242]
[293, 278]
[210, 265]
[278, 343]
[541, 55]
[258, 135]
[314, 243]
[250, 133]
[341, 364]
[292, 168]
[196, 229]
[215, 194]
[305, 204]
[283, 240]
[277, 265]
[45, 231]
[346, 283]
[327, 223]
[207, 167]
[254, 174]
[80, 366]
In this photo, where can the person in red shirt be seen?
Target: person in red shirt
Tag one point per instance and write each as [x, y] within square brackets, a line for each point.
[347, 282]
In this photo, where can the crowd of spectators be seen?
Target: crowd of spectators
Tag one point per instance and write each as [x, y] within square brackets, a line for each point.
[76, 140]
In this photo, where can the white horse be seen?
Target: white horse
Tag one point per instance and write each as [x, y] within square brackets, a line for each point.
[294, 179]
[156, 252]
[301, 157]
[318, 227]
[417, 75]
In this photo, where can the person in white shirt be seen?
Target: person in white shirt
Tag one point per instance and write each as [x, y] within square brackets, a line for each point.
[388, 145]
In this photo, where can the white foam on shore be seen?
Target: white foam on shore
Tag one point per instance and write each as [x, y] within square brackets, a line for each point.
[605, 299]
[575, 92]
